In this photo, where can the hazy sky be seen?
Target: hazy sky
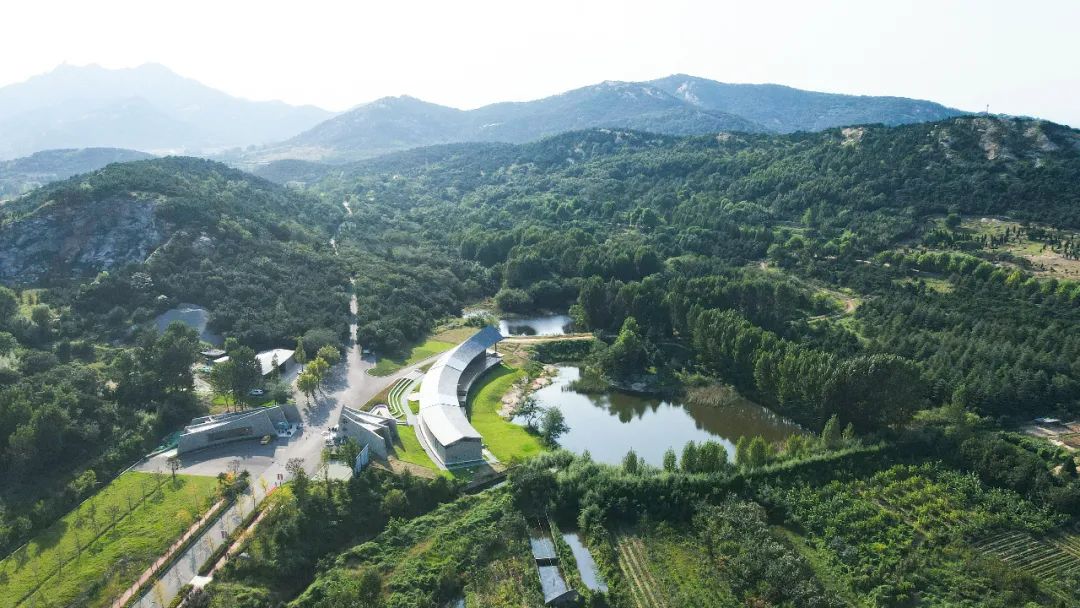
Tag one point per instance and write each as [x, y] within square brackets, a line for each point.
[1019, 57]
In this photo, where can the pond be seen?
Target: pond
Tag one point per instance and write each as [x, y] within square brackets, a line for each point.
[191, 315]
[539, 325]
[609, 425]
[587, 568]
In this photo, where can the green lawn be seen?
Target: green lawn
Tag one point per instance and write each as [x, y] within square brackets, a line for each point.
[386, 366]
[408, 448]
[504, 438]
[111, 556]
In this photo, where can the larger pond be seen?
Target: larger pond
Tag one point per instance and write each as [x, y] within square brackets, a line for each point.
[609, 425]
[539, 325]
[191, 315]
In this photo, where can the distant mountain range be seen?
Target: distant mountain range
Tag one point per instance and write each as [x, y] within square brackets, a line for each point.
[785, 110]
[676, 105]
[22, 175]
[152, 109]
[147, 108]
[397, 123]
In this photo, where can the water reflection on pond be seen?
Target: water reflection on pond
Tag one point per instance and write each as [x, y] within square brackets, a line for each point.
[609, 425]
[540, 325]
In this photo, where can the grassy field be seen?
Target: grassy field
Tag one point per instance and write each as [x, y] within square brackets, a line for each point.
[93, 553]
[1047, 262]
[664, 569]
[504, 438]
[933, 284]
[386, 366]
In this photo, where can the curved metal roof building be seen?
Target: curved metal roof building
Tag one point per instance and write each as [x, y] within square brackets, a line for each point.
[441, 420]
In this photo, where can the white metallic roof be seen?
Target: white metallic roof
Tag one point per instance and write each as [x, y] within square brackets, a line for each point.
[440, 410]
[266, 358]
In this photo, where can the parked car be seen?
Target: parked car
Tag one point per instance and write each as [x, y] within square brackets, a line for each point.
[256, 392]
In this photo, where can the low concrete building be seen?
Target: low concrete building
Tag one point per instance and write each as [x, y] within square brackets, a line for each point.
[441, 420]
[375, 431]
[209, 431]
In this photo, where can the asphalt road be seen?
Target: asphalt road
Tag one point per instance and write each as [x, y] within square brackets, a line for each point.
[350, 385]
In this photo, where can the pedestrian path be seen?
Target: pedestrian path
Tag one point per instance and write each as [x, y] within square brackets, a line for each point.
[164, 559]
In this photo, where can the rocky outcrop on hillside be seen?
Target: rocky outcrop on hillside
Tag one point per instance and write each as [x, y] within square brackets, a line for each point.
[79, 240]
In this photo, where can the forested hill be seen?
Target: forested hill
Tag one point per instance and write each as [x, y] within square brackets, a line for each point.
[822, 250]
[188, 229]
[20, 175]
[87, 385]
[1026, 168]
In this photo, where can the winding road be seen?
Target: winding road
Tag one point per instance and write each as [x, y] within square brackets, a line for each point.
[351, 385]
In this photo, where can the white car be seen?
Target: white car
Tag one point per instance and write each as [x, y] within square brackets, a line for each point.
[256, 392]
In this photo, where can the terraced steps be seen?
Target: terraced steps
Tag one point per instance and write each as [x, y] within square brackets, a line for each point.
[397, 398]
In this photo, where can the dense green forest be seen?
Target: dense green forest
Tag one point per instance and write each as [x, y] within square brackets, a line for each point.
[769, 256]
[841, 524]
[84, 386]
[845, 279]
[256, 255]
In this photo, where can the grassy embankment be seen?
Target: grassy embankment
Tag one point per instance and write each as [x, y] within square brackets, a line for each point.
[95, 552]
[439, 343]
[508, 441]
[408, 449]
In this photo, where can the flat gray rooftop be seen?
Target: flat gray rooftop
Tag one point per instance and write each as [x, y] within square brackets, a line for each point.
[543, 548]
[551, 581]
